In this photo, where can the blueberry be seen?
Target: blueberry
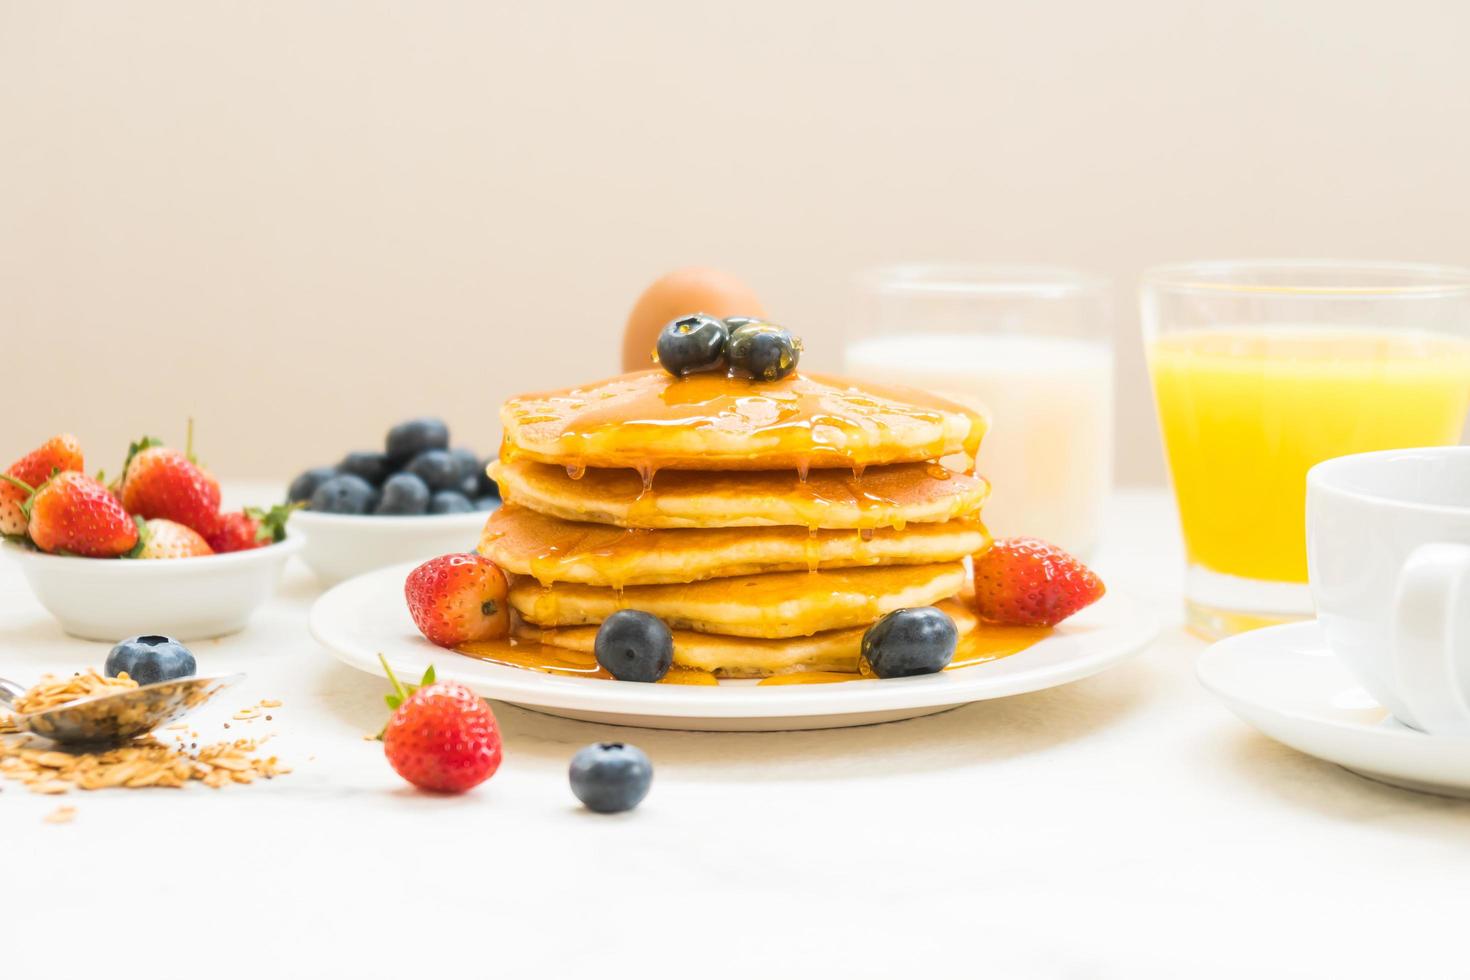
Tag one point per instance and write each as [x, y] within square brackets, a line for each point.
[487, 503]
[403, 494]
[372, 467]
[910, 641]
[468, 462]
[344, 494]
[762, 351]
[450, 502]
[634, 646]
[610, 777]
[469, 486]
[488, 487]
[305, 485]
[692, 343]
[407, 439]
[436, 468]
[150, 659]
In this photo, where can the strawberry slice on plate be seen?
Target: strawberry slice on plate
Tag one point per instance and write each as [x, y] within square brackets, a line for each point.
[1029, 582]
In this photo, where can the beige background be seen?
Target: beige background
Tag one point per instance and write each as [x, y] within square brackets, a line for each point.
[301, 221]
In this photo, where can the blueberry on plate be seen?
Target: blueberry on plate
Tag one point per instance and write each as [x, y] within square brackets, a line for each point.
[610, 777]
[450, 502]
[305, 485]
[404, 495]
[634, 646]
[344, 494]
[150, 659]
[692, 343]
[906, 642]
[372, 467]
[436, 468]
[407, 439]
[762, 351]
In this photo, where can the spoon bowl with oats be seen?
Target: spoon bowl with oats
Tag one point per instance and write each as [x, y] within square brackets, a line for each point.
[91, 709]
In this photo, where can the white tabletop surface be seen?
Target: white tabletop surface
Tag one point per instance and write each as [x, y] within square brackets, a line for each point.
[1122, 826]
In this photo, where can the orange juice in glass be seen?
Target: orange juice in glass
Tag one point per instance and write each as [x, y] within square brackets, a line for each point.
[1261, 370]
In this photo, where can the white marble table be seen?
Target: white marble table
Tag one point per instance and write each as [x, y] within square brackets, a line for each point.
[1122, 826]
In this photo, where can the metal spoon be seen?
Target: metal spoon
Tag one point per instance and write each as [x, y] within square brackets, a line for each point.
[110, 718]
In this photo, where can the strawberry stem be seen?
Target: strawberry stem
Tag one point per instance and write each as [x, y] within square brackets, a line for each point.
[189, 440]
[14, 481]
[392, 678]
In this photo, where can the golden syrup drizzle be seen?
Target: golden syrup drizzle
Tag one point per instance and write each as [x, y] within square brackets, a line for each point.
[984, 644]
[803, 420]
[534, 655]
[576, 471]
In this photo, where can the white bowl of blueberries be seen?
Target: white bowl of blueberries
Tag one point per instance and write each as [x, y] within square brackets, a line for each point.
[416, 499]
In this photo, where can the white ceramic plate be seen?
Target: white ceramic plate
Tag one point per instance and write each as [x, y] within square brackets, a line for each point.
[367, 615]
[1285, 681]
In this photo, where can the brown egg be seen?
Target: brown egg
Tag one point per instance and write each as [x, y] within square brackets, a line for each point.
[693, 289]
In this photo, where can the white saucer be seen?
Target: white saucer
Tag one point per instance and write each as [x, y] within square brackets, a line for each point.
[1285, 681]
[367, 615]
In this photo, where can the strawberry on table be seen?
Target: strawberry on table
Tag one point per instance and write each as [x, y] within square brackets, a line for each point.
[1028, 582]
[61, 452]
[458, 598]
[252, 527]
[169, 539]
[72, 512]
[162, 482]
[442, 737]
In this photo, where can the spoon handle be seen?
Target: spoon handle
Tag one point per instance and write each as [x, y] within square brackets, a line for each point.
[9, 691]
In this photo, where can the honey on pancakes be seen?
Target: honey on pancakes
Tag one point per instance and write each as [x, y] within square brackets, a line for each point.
[649, 421]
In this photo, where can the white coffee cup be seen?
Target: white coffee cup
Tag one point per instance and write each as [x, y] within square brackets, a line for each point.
[1388, 556]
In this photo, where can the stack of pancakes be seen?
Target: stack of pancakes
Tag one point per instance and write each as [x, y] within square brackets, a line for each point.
[768, 524]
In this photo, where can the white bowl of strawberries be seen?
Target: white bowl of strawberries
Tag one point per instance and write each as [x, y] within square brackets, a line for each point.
[151, 554]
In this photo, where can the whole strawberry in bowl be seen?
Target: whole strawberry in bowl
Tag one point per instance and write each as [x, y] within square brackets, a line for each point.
[152, 553]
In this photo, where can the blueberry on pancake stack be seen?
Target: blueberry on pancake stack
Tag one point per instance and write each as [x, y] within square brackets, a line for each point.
[768, 517]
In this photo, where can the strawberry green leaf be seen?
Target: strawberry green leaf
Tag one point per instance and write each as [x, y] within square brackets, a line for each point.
[142, 538]
[147, 442]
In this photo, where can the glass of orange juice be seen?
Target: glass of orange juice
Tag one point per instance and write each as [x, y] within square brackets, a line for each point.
[1263, 369]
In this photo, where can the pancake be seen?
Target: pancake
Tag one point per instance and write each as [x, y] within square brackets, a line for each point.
[650, 420]
[884, 496]
[779, 604]
[731, 656]
[550, 549]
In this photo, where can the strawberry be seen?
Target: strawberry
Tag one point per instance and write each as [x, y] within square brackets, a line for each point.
[442, 737]
[168, 539]
[162, 482]
[61, 452]
[458, 598]
[72, 512]
[252, 527]
[1027, 582]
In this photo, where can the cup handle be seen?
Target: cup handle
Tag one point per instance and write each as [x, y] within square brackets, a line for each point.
[1432, 636]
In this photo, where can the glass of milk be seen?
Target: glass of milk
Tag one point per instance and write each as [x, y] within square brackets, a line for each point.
[1033, 347]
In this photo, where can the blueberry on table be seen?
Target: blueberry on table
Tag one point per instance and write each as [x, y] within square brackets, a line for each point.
[634, 646]
[407, 439]
[450, 502]
[692, 343]
[436, 468]
[372, 467]
[906, 642]
[149, 659]
[344, 494]
[404, 495]
[305, 485]
[762, 351]
[610, 777]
